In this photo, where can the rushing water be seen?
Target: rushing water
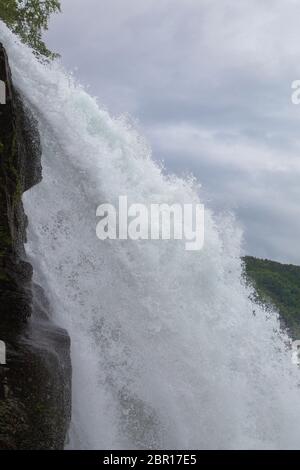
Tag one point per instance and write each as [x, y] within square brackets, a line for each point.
[166, 350]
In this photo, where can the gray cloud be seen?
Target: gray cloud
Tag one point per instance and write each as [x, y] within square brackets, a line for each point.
[210, 83]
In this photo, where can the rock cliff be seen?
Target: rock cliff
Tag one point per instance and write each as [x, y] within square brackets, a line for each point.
[35, 383]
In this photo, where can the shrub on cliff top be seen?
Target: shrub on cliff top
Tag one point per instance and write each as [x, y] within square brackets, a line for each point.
[28, 19]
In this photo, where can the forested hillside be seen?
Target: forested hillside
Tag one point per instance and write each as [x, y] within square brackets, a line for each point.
[278, 284]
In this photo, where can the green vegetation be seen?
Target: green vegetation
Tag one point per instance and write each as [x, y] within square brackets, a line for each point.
[28, 19]
[277, 284]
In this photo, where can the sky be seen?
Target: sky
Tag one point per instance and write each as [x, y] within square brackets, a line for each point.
[208, 82]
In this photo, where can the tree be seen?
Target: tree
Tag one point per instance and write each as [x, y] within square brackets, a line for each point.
[28, 19]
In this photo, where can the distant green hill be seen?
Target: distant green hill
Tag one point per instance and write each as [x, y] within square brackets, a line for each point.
[277, 284]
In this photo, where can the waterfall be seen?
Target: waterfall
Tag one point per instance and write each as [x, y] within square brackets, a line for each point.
[168, 350]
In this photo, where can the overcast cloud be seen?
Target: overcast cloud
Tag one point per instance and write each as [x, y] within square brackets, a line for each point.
[210, 83]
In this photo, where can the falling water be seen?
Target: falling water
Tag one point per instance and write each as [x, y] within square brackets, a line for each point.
[166, 350]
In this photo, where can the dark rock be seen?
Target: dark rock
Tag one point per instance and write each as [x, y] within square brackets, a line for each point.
[35, 384]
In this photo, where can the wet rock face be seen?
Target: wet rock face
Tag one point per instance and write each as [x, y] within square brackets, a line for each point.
[15, 273]
[35, 384]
